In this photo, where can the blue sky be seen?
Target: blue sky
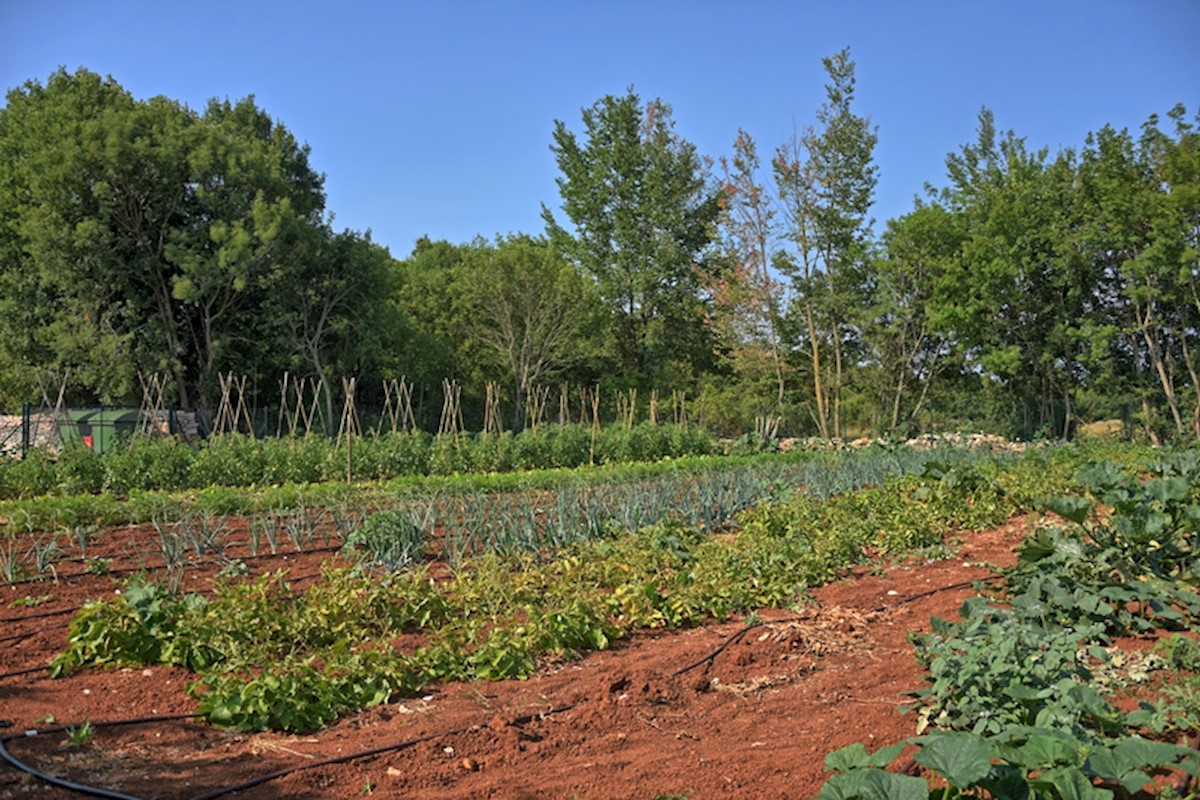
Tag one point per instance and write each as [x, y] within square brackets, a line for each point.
[436, 117]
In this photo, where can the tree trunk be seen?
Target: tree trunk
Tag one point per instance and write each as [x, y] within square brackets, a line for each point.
[1160, 368]
[818, 388]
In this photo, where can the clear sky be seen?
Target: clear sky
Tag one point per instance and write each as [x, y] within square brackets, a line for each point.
[435, 117]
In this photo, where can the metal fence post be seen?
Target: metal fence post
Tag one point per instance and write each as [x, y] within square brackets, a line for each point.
[25, 433]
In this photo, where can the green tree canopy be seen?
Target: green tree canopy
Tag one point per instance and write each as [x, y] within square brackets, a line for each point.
[144, 236]
[826, 185]
[530, 314]
[642, 213]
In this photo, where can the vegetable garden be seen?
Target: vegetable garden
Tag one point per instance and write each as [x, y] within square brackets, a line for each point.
[458, 635]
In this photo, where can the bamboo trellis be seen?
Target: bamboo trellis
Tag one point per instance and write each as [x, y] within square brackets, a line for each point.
[397, 406]
[589, 406]
[451, 422]
[51, 379]
[535, 406]
[152, 418]
[492, 421]
[564, 405]
[296, 410]
[627, 407]
[233, 410]
[766, 426]
[679, 407]
[349, 425]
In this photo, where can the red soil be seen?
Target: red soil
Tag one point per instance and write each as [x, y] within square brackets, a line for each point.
[665, 713]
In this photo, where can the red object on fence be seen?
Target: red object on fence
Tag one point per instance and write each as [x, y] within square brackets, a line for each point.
[87, 440]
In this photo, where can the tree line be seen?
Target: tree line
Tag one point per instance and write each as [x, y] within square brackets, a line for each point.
[1026, 294]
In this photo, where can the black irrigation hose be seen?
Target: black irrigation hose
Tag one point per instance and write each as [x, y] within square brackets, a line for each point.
[261, 779]
[708, 659]
[94, 791]
[16, 637]
[63, 783]
[374, 751]
[41, 615]
[959, 585]
[21, 672]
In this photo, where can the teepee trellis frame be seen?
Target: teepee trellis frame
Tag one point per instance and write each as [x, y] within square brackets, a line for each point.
[627, 407]
[589, 406]
[300, 403]
[397, 406]
[679, 406]
[47, 381]
[766, 426]
[153, 419]
[452, 421]
[349, 425]
[564, 404]
[492, 420]
[535, 406]
[233, 409]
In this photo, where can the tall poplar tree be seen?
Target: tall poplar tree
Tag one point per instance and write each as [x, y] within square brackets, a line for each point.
[641, 213]
[826, 182]
[748, 298]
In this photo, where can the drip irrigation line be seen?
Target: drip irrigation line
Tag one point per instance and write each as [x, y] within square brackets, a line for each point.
[41, 615]
[374, 751]
[16, 637]
[959, 585]
[21, 672]
[63, 783]
[708, 659]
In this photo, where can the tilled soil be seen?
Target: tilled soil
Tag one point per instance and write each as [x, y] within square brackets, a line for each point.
[734, 708]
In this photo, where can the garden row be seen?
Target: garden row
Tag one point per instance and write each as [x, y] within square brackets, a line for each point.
[166, 465]
[1019, 702]
[266, 654]
[395, 523]
[474, 512]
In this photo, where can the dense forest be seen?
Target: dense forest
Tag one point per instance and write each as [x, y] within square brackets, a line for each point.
[1027, 293]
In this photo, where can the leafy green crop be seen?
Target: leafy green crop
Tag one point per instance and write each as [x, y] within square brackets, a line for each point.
[237, 461]
[1020, 762]
[1012, 704]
